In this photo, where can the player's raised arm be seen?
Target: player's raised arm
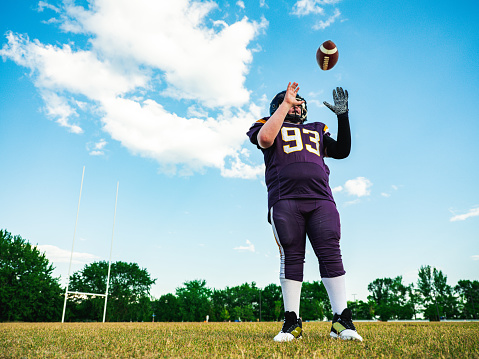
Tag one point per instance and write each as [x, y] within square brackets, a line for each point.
[342, 147]
[270, 129]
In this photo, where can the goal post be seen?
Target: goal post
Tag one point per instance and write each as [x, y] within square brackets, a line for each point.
[67, 291]
[111, 249]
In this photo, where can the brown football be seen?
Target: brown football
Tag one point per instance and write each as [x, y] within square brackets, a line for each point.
[327, 55]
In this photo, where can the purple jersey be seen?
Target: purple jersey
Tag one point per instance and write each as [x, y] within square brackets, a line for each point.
[295, 165]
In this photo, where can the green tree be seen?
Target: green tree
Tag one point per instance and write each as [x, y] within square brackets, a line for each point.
[143, 309]
[28, 292]
[362, 310]
[315, 304]
[194, 300]
[167, 308]
[414, 299]
[128, 294]
[403, 308]
[220, 305]
[390, 298]
[436, 295]
[379, 290]
[224, 315]
[244, 302]
[271, 303]
[469, 294]
[236, 303]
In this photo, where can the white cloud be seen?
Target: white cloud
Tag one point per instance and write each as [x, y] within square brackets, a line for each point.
[313, 98]
[386, 194]
[101, 144]
[359, 187]
[306, 7]
[59, 109]
[58, 255]
[240, 4]
[249, 247]
[321, 25]
[79, 72]
[196, 111]
[43, 5]
[337, 189]
[198, 62]
[239, 169]
[475, 257]
[149, 130]
[137, 50]
[462, 217]
[316, 103]
[316, 94]
[350, 203]
[98, 148]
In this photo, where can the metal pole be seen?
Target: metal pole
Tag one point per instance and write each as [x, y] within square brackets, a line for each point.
[355, 304]
[111, 249]
[73, 244]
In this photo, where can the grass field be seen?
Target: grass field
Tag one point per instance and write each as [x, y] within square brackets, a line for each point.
[234, 340]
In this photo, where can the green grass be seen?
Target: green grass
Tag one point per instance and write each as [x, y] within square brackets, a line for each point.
[234, 340]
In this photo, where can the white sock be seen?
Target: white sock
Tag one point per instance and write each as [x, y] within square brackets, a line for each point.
[336, 288]
[291, 295]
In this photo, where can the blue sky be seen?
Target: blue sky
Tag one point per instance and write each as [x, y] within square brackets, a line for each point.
[158, 95]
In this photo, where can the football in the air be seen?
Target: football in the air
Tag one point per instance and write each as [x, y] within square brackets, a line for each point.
[327, 55]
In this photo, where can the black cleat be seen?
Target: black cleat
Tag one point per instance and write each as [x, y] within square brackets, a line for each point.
[292, 328]
[343, 326]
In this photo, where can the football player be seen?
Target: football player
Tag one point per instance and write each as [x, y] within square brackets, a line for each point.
[300, 201]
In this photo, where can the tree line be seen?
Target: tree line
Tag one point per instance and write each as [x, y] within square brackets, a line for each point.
[28, 292]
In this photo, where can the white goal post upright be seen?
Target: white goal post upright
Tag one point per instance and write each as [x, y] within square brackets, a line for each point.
[71, 257]
[111, 249]
[73, 244]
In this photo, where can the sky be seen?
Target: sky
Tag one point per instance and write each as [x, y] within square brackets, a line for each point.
[156, 97]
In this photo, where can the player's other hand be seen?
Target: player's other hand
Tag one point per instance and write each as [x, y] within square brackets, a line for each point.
[290, 95]
[340, 98]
